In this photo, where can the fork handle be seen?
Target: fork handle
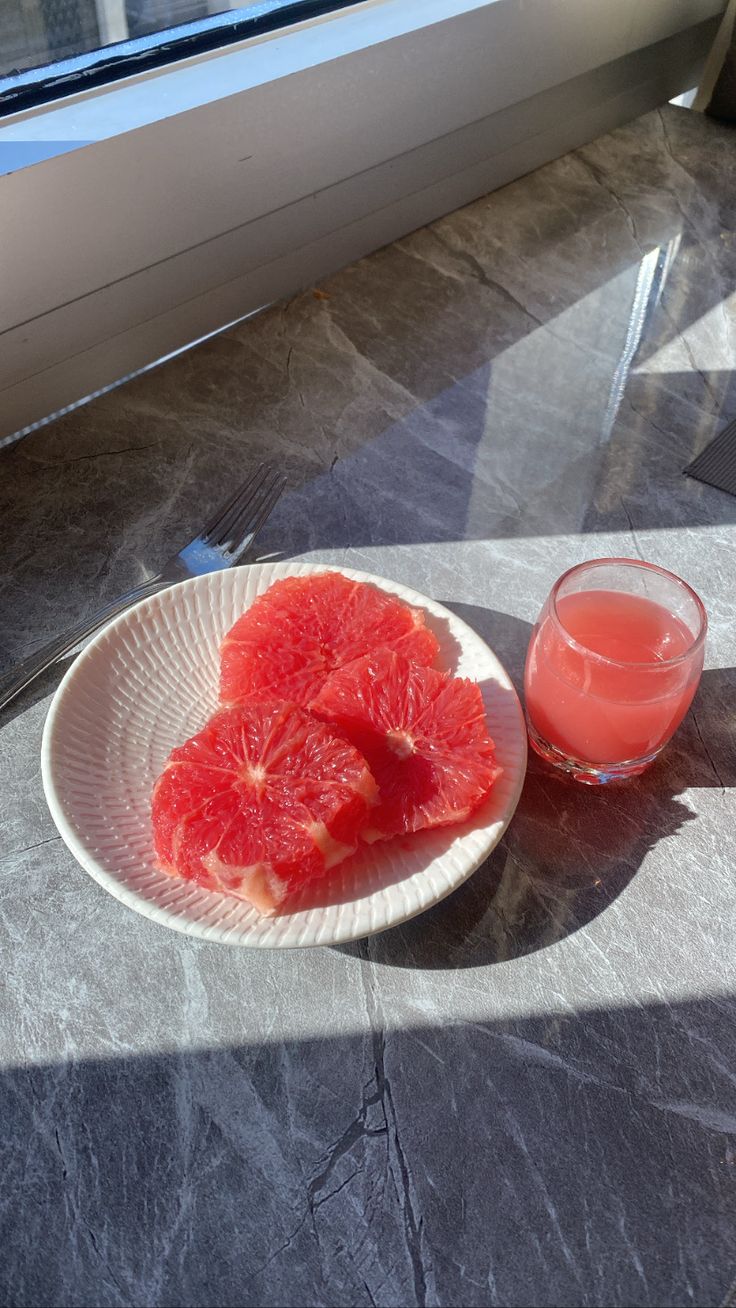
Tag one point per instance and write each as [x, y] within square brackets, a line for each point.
[26, 671]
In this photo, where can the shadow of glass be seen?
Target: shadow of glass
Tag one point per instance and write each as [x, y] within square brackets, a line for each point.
[702, 754]
[570, 850]
[569, 853]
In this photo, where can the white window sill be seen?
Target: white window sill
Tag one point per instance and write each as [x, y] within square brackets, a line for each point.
[169, 204]
[206, 79]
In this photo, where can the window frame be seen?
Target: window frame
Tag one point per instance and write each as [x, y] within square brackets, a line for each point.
[174, 202]
[109, 63]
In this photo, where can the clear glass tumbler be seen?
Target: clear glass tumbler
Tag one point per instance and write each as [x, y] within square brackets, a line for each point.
[612, 667]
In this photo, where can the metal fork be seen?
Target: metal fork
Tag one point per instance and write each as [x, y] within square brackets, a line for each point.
[222, 543]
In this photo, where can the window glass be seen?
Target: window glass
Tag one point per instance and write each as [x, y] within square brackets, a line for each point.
[38, 34]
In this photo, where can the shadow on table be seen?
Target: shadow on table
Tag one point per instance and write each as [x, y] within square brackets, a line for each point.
[280, 1170]
[570, 850]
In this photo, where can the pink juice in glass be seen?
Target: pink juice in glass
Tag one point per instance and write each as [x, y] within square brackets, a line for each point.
[611, 673]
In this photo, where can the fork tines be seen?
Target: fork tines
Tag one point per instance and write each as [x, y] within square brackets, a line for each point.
[248, 508]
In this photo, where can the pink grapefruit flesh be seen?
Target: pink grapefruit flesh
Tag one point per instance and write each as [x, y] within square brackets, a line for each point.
[303, 628]
[423, 735]
[264, 799]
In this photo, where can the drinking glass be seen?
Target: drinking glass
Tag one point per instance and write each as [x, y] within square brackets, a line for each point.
[612, 667]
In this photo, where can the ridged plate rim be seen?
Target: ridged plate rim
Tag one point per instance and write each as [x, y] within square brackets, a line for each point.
[200, 913]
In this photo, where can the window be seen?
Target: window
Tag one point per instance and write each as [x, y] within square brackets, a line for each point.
[141, 214]
[55, 47]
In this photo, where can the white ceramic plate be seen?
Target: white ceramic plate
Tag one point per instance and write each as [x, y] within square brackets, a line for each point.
[149, 681]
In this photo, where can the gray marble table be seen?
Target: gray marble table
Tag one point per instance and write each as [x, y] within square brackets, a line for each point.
[528, 1095]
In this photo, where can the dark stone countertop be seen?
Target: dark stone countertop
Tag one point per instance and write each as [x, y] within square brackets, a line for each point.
[526, 1096]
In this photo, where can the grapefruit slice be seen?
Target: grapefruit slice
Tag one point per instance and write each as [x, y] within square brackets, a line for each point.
[302, 628]
[423, 734]
[262, 800]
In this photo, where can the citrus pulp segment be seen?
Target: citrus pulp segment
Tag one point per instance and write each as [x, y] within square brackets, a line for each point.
[263, 799]
[303, 628]
[423, 734]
